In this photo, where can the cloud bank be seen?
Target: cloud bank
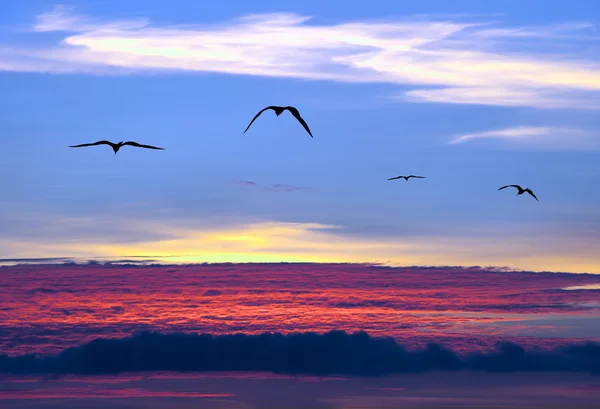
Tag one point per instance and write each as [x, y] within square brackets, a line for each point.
[334, 352]
[463, 308]
[447, 61]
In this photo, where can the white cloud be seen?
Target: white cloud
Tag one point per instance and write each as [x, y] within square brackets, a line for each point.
[506, 96]
[451, 61]
[543, 135]
[63, 18]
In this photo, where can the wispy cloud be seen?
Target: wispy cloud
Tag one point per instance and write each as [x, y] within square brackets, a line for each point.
[539, 134]
[565, 30]
[279, 187]
[456, 61]
[282, 187]
[64, 18]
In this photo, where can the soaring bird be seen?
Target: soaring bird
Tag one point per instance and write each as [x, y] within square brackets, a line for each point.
[521, 190]
[278, 111]
[116, 146]
[407, 177]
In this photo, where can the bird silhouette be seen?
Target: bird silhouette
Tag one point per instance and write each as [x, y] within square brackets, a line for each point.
[407, 177]
[116, 146]
[278, 111]
[521, 190]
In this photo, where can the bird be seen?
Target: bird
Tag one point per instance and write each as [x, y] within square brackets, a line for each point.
[521, 190]
[407, 177]
[278, 111]
[116, 146]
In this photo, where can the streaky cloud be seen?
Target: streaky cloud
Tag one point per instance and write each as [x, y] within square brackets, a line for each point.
[543, 135]
[444, 60]
[278, 187]
[36, 260]
[64, 18]
[331, 353]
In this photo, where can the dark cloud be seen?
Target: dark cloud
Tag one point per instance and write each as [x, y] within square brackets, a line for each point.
[282, 187]
[360, 304]
[35, 291]
[35, 260]
[117, 309]
[334, 352]
[246, 182]
[279, 187]
[128, 261]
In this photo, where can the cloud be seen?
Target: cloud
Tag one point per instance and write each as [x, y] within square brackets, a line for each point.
[504, 96]
[447, 61]
[279, 187]
[334, 352]
[35, 260]
[244, 239]
[464, 308]
[282, 187]
[246, 183]
[63, 18]
[555, 31]
[539, 134]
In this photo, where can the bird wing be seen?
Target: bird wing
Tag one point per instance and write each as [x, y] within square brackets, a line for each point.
[419, 177]
[517, 186]
[532, 194]
[296, 114]
[257, 115]
[92, 144]
[397, 177]
[137, 145]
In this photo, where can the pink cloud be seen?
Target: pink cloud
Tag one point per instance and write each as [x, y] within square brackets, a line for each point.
[65, 305]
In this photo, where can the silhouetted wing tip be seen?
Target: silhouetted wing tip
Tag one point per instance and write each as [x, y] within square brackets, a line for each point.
[257, 115]
[92, 144]
[139, 145]
[296, 115]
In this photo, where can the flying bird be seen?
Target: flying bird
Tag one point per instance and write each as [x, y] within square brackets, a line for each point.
[116, 146]
[278, 111]
[521, 190]
[407, 177]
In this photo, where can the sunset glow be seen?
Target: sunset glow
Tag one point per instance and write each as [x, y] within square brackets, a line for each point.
[258, 205]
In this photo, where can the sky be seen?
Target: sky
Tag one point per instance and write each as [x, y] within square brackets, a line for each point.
[272, 269]
[473, 95]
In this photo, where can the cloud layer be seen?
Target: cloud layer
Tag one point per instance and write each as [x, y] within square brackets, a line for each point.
[466, 62]
[464, 308]
[335, 352]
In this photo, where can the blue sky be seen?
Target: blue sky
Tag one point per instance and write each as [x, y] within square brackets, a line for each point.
[471, 94]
